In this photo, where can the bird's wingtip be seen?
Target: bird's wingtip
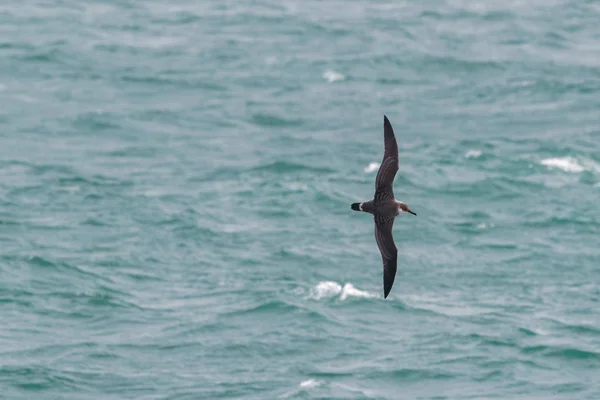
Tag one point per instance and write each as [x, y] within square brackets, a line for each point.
[386, 122]
[388, 282]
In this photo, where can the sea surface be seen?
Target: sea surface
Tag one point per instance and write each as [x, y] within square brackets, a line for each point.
[175, 187]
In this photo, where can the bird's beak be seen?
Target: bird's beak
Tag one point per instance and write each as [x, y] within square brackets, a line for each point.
[410, 211]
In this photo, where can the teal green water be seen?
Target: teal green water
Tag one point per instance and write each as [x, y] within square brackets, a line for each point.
[175, 189]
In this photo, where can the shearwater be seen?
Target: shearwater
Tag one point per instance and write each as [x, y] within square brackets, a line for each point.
[385, 208]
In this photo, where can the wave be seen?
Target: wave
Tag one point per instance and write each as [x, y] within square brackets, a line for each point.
[566, 353]
[274, 306]
[269, 120]
[285, 166]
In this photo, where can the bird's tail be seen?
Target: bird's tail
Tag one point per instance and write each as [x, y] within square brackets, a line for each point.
[355, 206]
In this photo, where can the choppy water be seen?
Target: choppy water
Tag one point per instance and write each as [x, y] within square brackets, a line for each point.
[175, 182]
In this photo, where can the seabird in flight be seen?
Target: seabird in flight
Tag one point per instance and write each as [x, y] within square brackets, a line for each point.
[385, 207]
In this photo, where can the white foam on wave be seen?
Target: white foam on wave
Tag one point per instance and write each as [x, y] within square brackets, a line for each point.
[567, 164]
[371, 167]
[350, 291]
[325, 290]
[310, 383]
[571, 164]
[302, 388]
[331, 289]
[333, 76]
[473, 154]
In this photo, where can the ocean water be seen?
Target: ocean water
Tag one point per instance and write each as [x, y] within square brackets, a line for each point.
[175, 189]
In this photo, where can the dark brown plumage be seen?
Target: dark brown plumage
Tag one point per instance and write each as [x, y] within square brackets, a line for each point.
[385, 207]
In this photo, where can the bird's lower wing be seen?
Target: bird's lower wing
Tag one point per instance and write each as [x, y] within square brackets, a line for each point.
[388, 250]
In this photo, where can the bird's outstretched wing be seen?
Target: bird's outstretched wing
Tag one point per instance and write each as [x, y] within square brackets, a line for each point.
[388, 250]
[389, 164]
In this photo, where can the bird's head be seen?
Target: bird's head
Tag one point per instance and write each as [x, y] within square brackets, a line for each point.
[403, 207]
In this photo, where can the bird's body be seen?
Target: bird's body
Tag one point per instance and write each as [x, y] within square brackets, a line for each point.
[385, 208]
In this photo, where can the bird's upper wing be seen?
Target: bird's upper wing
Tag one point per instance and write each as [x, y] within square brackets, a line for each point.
[388, 250]
[389, 164]
[391, 147]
